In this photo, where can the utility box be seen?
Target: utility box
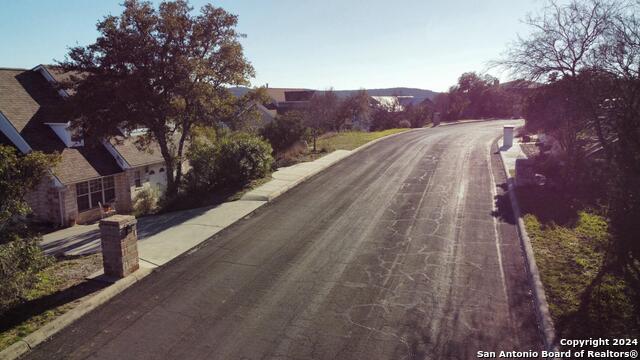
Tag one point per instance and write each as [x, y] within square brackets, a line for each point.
[436, 118]
[119, 239]
[507, 141]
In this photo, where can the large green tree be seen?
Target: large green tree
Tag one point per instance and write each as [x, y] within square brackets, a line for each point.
[165, 70]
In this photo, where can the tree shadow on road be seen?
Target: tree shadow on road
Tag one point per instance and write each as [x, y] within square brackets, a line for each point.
[503, 210]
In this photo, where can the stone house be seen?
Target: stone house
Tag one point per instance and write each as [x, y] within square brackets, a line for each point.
[91, 180]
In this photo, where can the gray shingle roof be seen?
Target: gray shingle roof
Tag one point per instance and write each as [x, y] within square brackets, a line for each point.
[135, 156]
[28, 101]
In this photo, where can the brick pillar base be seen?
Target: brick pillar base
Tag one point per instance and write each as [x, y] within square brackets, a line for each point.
[119, 245]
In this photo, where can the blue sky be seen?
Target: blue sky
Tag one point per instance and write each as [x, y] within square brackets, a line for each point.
[346, 44]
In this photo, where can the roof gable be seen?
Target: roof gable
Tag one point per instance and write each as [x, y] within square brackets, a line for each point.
[27, 98]
[29, 101]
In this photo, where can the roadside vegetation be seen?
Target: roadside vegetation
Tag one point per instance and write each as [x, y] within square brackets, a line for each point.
[330, 123]
[481, 96]
[20, 257]
[350, 140]
[59, 287]
[35, 288]
[223, 165]
[585, 220]
[589, 294]
[329, 142]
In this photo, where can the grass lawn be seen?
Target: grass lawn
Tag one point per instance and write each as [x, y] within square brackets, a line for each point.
[588, 295]
[61, 287]
[347, 140]
[350, 140]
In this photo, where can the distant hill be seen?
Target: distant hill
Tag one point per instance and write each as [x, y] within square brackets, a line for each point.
[418, 94]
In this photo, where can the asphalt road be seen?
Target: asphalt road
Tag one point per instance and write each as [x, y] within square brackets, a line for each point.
[398, 252]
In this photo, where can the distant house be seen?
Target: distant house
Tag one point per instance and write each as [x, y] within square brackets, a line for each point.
[91, 178]
[266, 115]
[287, 99]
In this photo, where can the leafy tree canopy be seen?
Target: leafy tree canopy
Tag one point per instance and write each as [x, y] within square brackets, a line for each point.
[164, 70]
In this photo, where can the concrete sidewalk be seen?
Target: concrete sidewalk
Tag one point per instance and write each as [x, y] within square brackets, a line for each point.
[510, 155]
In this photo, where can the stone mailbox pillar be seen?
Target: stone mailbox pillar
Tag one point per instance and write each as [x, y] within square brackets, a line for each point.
[119, 245]
[507, 141]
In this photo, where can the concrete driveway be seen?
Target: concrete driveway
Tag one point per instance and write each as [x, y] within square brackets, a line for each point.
[402, 251]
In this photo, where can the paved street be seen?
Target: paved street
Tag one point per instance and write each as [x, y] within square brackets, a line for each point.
[395, 253]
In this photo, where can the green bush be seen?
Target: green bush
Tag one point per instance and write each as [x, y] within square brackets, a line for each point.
[145, 202]
[20, 262]
[404, 124]
[285, 131]
[232, 161]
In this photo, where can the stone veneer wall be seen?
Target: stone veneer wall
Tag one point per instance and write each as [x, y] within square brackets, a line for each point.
[70, 205]
[44, 203]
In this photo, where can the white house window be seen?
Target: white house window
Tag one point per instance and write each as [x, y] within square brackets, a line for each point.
[90, 193]
[82, 196]
[109, 186]
[136, 179]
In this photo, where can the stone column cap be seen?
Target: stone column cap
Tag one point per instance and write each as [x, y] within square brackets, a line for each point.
[118, 220]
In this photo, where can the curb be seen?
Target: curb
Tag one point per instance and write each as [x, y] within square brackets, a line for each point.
[543, 315]
[27, 343]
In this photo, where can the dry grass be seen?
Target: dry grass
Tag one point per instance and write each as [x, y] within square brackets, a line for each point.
[350, 140]
[328, 142]
[62, 286]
